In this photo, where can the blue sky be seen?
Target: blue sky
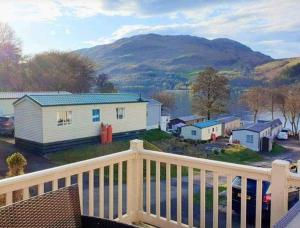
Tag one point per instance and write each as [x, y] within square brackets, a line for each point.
[271, 27]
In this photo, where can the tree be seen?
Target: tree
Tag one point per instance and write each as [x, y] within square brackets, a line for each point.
[167, 100]
[58, 71]
[211, 93]
[293, 107]
[16, 164]
[254, 99]
[281, 102]
[103, 85]
[10, 55]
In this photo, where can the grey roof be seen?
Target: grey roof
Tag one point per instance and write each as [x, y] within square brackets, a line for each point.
[189, 118]
[258, 127]
[83, 99]
[17, 95]
[228, 119]
[272, 123]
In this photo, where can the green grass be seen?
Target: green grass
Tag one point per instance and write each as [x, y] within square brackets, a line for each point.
[209, 197]
[237, 154]
[92, 151]
[277, 149]
[155, 135]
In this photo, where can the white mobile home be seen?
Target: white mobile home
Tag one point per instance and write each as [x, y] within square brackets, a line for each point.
[202, 131]
[229, 123]
[8, 98]
[45, 123]
[252, 137]
[153, 114]
[276, 126]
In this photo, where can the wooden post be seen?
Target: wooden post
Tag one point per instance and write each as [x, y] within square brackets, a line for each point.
[279, 190]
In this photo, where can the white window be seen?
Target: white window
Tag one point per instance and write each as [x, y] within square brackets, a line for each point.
[64, 118]
[249, 139]
[194, 132]
[120, 113]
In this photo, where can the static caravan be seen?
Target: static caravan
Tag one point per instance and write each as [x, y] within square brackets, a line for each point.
[276, 126]
[229, 123]
[202, 131]
[8, 98]
[153, 114]
[45, 123]
[186, 120]
[252, 137]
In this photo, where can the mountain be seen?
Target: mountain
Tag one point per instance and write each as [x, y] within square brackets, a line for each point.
[283, 71]
[165, 61]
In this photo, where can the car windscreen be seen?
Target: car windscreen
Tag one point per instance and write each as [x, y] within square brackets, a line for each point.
[3, 119]
[285, 131]
[251, 185]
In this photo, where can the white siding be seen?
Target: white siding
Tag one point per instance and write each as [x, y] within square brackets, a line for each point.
[6, 106]
[186, 132]
[28, 121]
[206, 132]
[82, 125]
[153, 115]
[201, 134]
[241, 136]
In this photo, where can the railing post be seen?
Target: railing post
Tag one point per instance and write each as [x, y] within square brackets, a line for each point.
[279, 190]
[134, 176]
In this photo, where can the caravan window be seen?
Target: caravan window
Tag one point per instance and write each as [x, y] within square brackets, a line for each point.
[120, 113]
[64, 118]
[249, 139]
[96, 115]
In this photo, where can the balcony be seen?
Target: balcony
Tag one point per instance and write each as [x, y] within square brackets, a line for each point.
[139, 185]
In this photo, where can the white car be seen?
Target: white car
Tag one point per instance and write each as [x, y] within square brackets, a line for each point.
[283, 135]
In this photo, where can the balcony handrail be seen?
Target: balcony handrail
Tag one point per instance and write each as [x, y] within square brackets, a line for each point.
[225, 168]
[22, 181]
[279, 176]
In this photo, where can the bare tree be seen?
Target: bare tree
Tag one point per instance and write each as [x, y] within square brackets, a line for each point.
[281, 102]
[167, 100]
[254, 99]
[210, 93]
[10, 55]
[293, 107]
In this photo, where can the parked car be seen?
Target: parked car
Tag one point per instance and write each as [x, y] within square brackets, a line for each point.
[293, 197]
[7, 126]
[283, 134]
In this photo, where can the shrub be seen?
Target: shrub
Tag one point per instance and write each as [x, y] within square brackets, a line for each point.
[16, 164]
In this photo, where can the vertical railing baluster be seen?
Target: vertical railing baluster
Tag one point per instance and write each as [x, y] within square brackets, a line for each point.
[258, 203]
[120, 190]
[26, 194]
[157, 185]
[215, 200]
[191, 196]
[141, 183]
[148, 186]
[91, 192]
[41, 188]
[9, 198]
[202, 197]
[80, 187]
[68, 181]
[55, 185]
[244, 202]
[229, 203]
[168, 191]
[101, 192]
[179, 195]
[111, 191]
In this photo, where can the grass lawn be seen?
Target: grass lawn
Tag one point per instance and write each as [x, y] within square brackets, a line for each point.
[155, 135]
[209, 197]
[92, 151]
[237, 154]
[277, 149]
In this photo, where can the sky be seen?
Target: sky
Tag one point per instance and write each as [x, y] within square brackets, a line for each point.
[269, 26]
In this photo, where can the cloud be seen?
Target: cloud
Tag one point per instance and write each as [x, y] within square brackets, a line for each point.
[67, 31]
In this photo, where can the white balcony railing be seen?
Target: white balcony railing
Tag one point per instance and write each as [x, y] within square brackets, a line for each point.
[130, 179]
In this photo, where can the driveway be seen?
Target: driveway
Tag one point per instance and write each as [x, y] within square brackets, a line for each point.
[34, 162]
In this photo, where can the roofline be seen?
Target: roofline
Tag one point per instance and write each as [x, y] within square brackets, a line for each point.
[57, 105]
[245, 129]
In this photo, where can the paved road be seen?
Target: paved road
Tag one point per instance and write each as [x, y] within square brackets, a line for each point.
[292, 152]
[35, 162]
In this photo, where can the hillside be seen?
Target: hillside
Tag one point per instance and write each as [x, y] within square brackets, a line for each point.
[164, 61]
[284, 71]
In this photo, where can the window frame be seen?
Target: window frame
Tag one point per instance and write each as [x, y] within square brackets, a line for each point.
[120, 116]
[96, 117]
[250, 139]
[193, 132]
[63, 118]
